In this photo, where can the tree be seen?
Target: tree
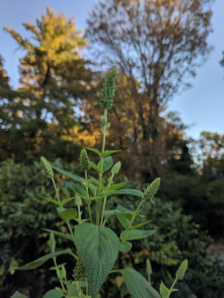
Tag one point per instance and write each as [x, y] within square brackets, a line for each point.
[157, 45]
[53, 77]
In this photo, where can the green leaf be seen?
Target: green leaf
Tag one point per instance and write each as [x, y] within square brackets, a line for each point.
[68, 214]
[52, 201]
[65, 201]
[38, 262]
[55, 293]
[59, 234]
[108, 152]
[182, 269]
[120, 210]
[97, 183]
[125, 246]
[95, 150]
[98, 247]
[95, 167]
[140, 225]
[132, 192]
[124, 221]
[81, 220]
[18, 295]
[137, 285]
[107, 163]
[73, 290]
[79, 190]
[164, 291]
[136, 234]
[116, 186]
[70, 175]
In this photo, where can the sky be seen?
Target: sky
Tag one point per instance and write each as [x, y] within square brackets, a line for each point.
[201, 107]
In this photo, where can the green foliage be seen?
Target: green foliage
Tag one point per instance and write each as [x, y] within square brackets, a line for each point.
[18, 295]
[98, 247]
[42, 260]
[137, 285]
[24, 212]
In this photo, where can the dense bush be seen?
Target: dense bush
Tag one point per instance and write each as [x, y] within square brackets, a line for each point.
[24, 213]
[177, 238]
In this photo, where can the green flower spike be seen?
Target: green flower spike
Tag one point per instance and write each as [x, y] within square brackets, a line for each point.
[47, 167]
[107, 92]
[84, 160]
[151, 190]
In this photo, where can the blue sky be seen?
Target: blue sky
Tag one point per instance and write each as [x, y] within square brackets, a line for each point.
[201, 106]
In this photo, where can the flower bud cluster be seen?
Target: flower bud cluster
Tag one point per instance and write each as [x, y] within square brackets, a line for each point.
[84, 160]
[107, 92]
[151, 190]
[47, 167]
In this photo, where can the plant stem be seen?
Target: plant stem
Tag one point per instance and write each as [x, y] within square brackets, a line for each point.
[133, 217]
[79, 289]
[87, 193]
[56, 189]
[58, 275]
[104, 202]
[172, 287]
[72, 234]
[101, 166]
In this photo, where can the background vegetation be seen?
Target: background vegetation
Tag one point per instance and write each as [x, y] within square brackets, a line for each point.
[53, 113]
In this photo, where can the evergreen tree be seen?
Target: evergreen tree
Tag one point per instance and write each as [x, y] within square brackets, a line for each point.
[53, 78]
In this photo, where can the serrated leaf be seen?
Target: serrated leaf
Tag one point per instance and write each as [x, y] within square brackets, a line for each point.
[18, 295]
[98, 247]
[125, 246]
[107, 163]
[140, 225]
[164, 291]
[137, 285]
[55, 293]
[52, 201]
[59, 234]
[68, 214]
[136, 234]
[65, 201]
[182, 269]
[116, 186]
[78, 190]
[108, 152]
[70, 175]
[38, 262]
[124, 221]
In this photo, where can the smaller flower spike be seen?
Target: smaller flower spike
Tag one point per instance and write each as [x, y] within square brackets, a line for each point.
[84, 160]
[107, 92]
[151, 190]
[47, 167]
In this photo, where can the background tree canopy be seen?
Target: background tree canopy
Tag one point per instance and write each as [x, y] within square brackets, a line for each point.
[156, 45]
